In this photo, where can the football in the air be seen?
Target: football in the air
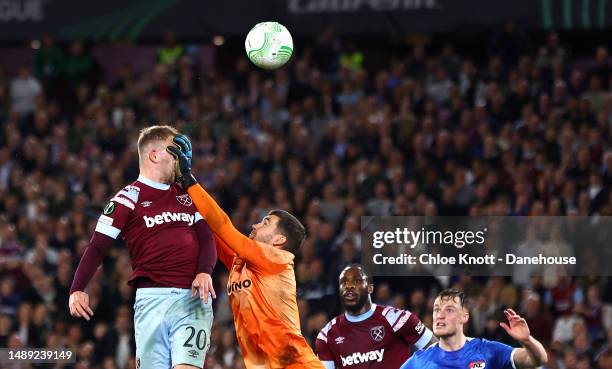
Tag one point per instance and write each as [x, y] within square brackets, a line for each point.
[269, 45]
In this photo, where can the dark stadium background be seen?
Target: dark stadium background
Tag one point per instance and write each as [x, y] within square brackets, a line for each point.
[412, 118]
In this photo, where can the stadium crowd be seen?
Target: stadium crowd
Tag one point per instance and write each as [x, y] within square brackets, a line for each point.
[524, 132]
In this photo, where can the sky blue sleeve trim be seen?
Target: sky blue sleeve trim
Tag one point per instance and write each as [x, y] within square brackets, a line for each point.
[108, 230]
[329, 364]
[424, 340]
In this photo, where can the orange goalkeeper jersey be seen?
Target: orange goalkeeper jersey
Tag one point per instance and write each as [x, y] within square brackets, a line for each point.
[261, 290]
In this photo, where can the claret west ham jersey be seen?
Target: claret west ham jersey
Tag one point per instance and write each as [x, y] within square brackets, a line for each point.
[156, 221]
[378, 339]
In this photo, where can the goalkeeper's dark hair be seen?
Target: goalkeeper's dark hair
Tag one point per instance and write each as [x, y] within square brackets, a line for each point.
[155, 133]
[290, 227]
[452, 294]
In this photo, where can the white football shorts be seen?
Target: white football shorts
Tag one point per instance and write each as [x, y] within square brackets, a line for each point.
[171, 328]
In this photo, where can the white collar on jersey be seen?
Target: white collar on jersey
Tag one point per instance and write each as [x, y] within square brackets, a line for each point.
[362, 317]
[151, 183]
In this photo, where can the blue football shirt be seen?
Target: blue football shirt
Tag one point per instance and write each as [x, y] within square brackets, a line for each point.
[477, 353]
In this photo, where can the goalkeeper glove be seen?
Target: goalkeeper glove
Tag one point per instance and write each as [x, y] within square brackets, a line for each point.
[182, 152]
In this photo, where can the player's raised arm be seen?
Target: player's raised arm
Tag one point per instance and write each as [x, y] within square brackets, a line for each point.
[216, 218]
[532, 354]
[262, 256]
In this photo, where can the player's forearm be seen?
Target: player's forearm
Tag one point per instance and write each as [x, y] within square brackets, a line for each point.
[91, 260]
[216, 218]
[222, 226]
[535, 354]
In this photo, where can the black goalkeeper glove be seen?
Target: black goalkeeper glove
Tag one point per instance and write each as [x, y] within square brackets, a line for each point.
[182, 153]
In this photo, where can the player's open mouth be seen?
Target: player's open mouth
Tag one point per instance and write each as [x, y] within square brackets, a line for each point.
[350, 295]
[440, 325]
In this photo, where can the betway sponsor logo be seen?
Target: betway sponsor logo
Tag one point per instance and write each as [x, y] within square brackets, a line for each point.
[363, 357]
[334, 6]
[167, 217]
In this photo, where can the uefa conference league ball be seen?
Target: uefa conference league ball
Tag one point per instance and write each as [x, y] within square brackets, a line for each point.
[269, 45]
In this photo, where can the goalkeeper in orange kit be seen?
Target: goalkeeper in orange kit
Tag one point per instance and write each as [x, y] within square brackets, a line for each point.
[261, 284]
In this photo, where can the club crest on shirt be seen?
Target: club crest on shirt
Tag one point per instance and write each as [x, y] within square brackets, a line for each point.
[480, 364]
[378, 333]
[184, 200]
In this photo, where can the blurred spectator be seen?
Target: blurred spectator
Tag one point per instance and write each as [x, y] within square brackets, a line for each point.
[171, 52]
[563, 296]
[351, 58]
[49, 62]
[9, 297]
[602, 68]
[5, 329]
[439, 86]
[483, 308]
[24, 90]
[551, 50]
[509, 43]
[530, 247]
[537, 318]
[78, 66]
[592, 311]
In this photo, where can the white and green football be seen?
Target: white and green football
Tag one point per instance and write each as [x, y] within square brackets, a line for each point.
[269, 45]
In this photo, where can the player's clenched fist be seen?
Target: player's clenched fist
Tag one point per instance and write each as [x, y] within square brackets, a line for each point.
[79, 305]
[203, 284]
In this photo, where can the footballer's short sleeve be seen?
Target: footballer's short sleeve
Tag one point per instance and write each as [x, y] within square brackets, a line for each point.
[500, 354]
[408, 326]
[321, 347]
[117, 212]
